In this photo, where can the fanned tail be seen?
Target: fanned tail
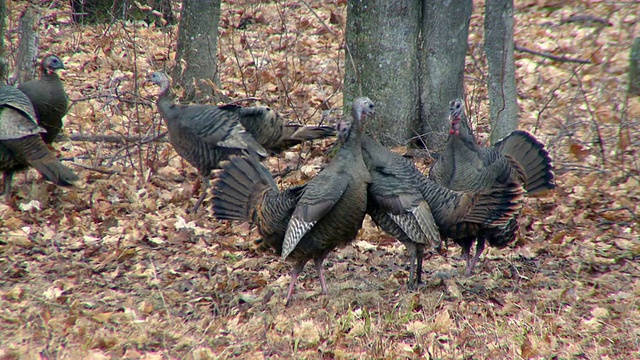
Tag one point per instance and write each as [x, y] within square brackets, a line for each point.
[237, 187]
[532, 157]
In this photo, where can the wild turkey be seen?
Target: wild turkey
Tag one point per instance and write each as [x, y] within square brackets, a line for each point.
[304, 222]
[271, 132]
[20, 143]
[48, 97]
[417, 211]
[464, 165]
[204, 135]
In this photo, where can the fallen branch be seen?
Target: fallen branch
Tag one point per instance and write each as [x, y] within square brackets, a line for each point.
[237, 101]
[118, 139]
[588, 19]
[551, 56]
[101, 171]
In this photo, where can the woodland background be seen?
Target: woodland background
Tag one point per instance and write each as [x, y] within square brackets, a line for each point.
[116, 268]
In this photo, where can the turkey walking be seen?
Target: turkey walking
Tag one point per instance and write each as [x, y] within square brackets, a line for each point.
[305, 222]
[271, 132]
[20, 143]
[48, 97]
[519, 159]
[417, 211]
[204, 135]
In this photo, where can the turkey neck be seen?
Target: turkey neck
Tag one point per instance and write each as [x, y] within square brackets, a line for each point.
[463, 140]
[53, 91]
[354, 139]
[164, 99]
[51, 77]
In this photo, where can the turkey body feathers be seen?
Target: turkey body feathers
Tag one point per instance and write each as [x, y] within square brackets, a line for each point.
[517, 163]
[305, 222]
[204, 135]
[48, 97]
[21, 145]
[416, 210]
[269, 130]
[245, 191]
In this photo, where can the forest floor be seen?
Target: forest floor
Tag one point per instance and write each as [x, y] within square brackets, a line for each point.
[116, 267]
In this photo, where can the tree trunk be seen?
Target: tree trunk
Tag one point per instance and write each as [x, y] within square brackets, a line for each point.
[634, 68]
[27, 59]
[445, 29]
[3, 61]
[197, 50]
[382, 61]
[498, 48]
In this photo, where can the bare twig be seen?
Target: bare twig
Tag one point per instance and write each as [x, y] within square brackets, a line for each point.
[551, 56]
[111, 96]
[593, 117]
[620, 208]
[319, 18]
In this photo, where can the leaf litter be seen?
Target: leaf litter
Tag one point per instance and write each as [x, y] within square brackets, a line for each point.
[116, 267]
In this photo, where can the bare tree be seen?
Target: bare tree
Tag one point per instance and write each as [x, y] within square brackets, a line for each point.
[634, 68]
[382, 62]
[196, 67]
[445, 29]
[27, 58]
[412, 78]
[498, 48]
[3, 61]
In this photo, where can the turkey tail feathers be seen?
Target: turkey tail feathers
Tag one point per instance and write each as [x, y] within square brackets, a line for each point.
[532, 157]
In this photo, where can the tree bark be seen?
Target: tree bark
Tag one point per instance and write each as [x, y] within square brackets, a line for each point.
[382, 61]
[498, 48]
[445, 29]
[3, 61]
[634, 68]
[196, 67]
[27, 59]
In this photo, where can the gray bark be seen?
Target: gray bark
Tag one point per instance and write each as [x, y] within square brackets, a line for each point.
[634, 68]
[445, 29]
[498, 48]
[27, 59]
[3, 62]
[381, 62]
[197, 50]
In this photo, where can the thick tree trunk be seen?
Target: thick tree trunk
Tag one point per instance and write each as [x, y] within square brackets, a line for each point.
[382, 61]
[445, 29]
[498, 48]
[27, 59]
[3, 62]
[634, 68]
[197, 50]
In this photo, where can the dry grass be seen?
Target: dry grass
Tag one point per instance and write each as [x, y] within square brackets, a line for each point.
[115, 268]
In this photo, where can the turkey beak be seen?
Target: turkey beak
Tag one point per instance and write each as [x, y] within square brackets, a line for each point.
[58, 68]
[368, 114]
